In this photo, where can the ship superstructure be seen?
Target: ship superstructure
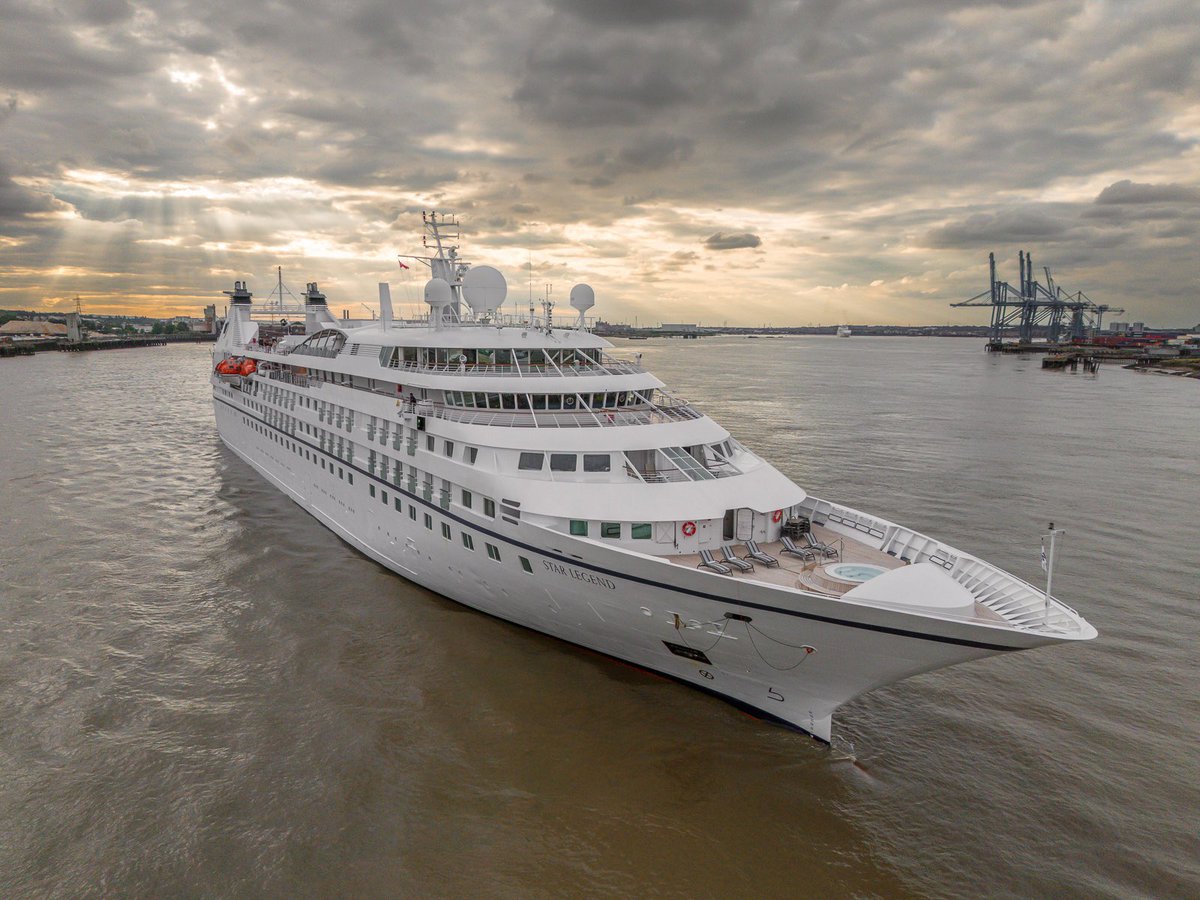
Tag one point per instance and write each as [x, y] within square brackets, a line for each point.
[512, 463]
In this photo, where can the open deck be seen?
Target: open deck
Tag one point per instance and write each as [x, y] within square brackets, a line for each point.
[809, 575]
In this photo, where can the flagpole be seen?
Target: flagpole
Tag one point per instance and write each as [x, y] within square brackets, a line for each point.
[1053, 534]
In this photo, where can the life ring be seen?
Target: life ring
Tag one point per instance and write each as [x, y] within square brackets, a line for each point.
[776, 516]
[689, 528]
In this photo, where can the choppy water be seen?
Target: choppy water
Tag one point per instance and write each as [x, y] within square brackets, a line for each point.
[203, 692]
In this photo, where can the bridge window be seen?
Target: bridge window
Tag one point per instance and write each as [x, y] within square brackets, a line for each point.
[531, 462]
[597, 462]
[563, 462]
[640, 531]
[579, 528]
[610, 530]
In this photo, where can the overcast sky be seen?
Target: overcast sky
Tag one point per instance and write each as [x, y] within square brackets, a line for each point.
[717, 160]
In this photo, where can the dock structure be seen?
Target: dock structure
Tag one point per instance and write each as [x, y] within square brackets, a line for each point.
[1031, 305]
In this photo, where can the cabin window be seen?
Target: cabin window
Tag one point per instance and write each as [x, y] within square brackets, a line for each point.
[466, 498]
[640, 531]
[372, 490]
[429, 521]
[468, 541]
[472, 455]
[610, 530]
[597, 462]
[493, 552]
[399, 506]
[449, 449]
[489, 507]
[531, 462]
[579, 528]
[429, 442]
[563, 462]
[525, 565]
[446, 530]
[412, 512]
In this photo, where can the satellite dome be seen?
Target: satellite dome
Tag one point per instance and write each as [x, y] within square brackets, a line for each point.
[484, 289]
[583, 297]
[438, 293]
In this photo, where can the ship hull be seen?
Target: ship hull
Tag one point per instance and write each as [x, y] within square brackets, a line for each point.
[789, 656]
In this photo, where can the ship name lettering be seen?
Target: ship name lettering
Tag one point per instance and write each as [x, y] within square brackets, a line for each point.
[579, 575]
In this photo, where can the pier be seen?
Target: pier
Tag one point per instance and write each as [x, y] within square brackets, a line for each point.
[62, 345]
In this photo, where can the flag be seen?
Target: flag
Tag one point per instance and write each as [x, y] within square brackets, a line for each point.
[403, 266]
[1045, 563]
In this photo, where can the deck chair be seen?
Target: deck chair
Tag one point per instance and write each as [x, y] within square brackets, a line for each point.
[789, 546]
[707, 562]
[731, 560]
[754, 552]
[820, 546]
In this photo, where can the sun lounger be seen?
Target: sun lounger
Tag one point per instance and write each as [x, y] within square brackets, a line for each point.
[789, 546]
[707, 562]
[820, 546]
[730, 559]
[754, 552]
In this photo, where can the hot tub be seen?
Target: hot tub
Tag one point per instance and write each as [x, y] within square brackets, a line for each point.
[855, 573]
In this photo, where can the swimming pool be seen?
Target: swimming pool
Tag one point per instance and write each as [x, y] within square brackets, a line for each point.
[856, 572]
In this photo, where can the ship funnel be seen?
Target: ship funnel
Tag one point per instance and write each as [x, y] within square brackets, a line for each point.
[316, 312]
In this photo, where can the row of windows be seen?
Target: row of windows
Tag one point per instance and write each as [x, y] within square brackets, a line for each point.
[565, 462]
[302, 451]
[468, 539]
[487, 356]
[638, 531]
[481, 400]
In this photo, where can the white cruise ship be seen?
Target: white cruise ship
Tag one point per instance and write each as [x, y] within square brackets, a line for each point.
[511, 463]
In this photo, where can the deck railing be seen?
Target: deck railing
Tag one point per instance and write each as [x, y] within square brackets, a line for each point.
[584, 418]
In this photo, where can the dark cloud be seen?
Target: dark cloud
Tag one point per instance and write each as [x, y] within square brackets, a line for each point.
[1127, 191]
[732, 241]
[640, 13]
[1008, 226]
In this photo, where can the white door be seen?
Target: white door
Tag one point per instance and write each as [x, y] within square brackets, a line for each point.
[664, 532]
[745, 524]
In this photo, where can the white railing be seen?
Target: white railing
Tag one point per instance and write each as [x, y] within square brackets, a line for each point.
[585, 418]
[1015, 601]
[610, 366]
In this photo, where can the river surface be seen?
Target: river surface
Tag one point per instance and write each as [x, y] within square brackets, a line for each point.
[203, 692]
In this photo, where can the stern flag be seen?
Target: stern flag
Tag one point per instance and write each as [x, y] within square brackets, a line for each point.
[403, 266]
[1045, 564]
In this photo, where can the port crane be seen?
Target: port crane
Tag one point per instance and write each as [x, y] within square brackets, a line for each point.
[1031, 305]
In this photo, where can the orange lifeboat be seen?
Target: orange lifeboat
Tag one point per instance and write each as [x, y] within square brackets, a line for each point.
[230, 366]
[248, 367]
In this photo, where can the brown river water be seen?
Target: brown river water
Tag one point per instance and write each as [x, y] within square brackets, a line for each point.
[203, 692]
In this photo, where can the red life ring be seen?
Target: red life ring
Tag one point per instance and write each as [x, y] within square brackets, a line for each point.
[776, 516]
[689, 528]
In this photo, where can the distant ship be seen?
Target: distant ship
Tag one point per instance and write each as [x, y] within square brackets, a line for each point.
[844, 331]
[511, 463]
